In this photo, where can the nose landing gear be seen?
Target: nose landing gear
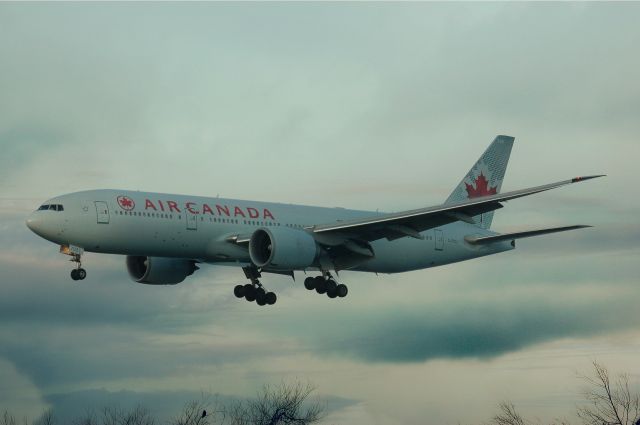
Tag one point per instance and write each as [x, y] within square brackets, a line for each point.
[78, 273]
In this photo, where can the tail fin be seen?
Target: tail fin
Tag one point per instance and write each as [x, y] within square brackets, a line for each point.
[485, 177]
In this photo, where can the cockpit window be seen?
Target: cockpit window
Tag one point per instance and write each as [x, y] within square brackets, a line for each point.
[52, 207]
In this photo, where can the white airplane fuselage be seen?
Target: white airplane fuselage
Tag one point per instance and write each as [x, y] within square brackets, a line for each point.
[199, 228]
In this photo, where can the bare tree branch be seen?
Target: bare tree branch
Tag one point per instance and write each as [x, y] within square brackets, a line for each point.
[281, 404]
[8, 418]
[508, 415]
[46, 418]
[609, 403]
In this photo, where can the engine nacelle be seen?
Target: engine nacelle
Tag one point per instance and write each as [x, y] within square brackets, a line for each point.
[159, 270]
[282, 248]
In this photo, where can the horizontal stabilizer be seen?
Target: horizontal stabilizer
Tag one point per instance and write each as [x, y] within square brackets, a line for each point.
[482, 240]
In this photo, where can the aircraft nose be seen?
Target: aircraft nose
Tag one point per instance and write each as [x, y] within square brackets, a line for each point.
[32, 222]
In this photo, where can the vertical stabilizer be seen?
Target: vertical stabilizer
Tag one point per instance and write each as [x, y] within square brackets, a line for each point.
[485, 177]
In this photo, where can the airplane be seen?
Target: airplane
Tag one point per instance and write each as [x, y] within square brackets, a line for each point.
[165, 236]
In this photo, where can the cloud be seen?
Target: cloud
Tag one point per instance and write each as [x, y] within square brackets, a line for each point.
[480, 330]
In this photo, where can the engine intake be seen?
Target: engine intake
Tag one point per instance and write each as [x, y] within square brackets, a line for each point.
[285, 249]
[159, 270]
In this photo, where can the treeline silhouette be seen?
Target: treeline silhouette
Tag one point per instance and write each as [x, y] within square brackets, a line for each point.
[607, 401]
[286, 403]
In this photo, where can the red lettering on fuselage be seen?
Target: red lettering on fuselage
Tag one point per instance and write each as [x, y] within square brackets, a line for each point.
[222, 209]
[148, 204]
[189, 206]
[206, 209]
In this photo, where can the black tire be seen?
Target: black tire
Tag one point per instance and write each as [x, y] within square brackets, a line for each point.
[82, 274]
[261, 296]
[342, 290]
[238, 291]
[310, 283]
[321, 286]
[74, 274]
[332, 292]
[250, 294]
[271, 298]
[331, 285]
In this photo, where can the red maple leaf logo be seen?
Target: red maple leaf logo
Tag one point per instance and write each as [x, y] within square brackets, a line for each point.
[482, 188]
[126, 203]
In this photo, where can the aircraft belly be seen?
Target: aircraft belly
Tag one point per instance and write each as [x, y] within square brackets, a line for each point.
[407, 254]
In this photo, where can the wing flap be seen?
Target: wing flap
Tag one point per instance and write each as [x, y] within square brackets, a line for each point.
[483, 240]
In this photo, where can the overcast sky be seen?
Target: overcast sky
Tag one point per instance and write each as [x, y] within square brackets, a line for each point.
[364, 105]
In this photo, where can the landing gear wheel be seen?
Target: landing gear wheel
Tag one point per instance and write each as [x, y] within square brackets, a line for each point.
[310, 283]
[332, 292]
[321, 285]
[250, 293]
[254, 291]
[261, 296]
[81, 273]
[331, 285]
[238, 291]
[74, 274]
[342, 290]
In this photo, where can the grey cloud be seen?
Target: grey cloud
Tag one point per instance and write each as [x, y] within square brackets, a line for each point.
[472, 330]
[53, 355]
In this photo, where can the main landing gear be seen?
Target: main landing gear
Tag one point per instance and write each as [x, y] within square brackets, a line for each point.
[325, 284]
[254, 291]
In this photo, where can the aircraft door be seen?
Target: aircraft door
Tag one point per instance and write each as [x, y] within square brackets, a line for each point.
[439, 239]
[102, 210]
[192, 220]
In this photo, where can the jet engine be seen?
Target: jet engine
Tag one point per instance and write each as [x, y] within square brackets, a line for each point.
[282, 248]
[159, 270]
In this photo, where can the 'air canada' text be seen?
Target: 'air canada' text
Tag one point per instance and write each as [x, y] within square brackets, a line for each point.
[220, 210]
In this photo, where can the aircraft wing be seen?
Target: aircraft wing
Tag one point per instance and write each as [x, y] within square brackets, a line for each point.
[411, 223]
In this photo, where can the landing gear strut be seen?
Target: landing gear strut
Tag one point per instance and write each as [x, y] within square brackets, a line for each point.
[326, 284]
[254, 291]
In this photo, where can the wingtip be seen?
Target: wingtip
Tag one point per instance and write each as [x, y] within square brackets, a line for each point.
[583, 178]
